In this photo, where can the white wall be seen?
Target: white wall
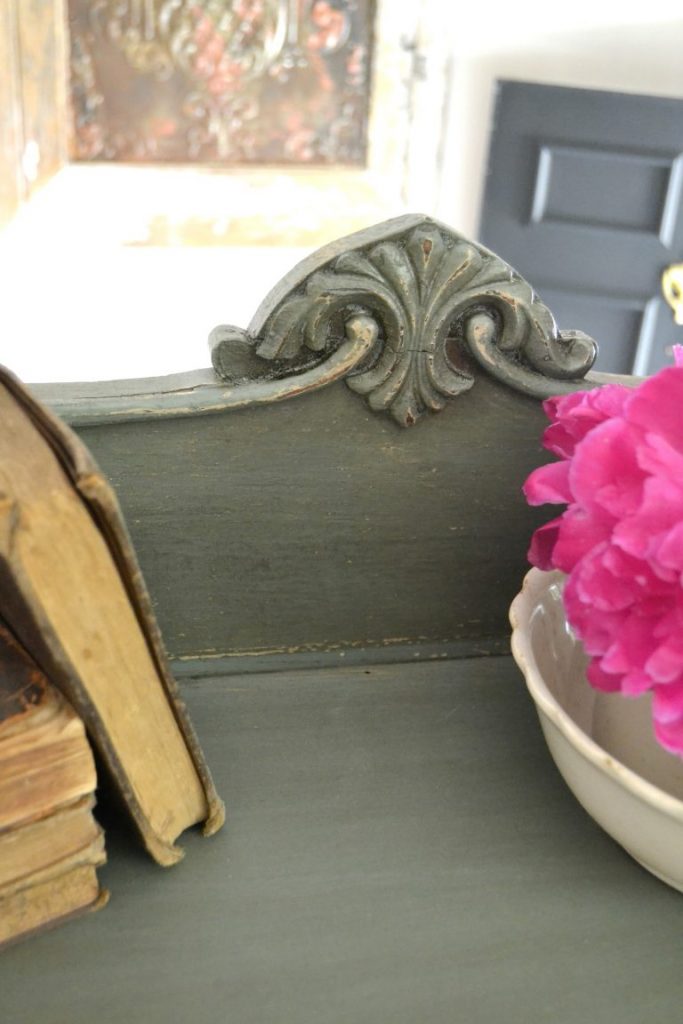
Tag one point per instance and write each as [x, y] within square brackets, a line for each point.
[79, 306]
[624, 47]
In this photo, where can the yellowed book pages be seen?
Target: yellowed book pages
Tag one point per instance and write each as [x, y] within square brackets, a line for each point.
[92, 853]
[50, 902]
[45, 766]
[42, 844]
[45, 757]
[68, 602]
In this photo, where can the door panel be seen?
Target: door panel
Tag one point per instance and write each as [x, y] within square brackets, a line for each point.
[583, 197]
[617, 190]
[659, 334]
[614, 321]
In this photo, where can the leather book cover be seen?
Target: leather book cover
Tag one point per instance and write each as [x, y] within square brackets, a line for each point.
[98, 498]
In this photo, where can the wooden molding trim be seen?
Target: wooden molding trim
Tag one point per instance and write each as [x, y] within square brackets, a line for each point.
[406, 312]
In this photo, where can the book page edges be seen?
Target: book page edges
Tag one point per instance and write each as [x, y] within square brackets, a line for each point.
[99, 900]
[93, 854]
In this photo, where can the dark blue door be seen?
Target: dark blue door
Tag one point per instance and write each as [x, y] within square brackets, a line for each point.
[584, 197]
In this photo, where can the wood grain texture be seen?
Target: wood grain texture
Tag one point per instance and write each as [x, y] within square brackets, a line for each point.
[11, 182]
[400, 849]
[44, 74]
[33, 97]
[315, 525]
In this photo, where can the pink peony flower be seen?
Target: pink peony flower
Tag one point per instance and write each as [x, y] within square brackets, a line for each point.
[620, 538]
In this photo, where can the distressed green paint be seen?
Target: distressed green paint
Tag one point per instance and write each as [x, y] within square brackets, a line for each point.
[399, 850]
[316, 524]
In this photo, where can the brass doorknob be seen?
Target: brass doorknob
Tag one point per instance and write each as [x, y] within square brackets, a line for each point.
[672, 289]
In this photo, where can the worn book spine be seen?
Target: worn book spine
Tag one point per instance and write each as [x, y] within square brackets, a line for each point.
[101, 502]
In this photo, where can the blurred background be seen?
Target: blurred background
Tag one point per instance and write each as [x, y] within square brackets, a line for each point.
[164, 162]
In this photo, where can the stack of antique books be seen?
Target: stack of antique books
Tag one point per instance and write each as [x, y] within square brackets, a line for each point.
[81, 659]
[50, 843]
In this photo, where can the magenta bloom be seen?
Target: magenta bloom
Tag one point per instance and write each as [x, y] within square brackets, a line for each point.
[620, 539]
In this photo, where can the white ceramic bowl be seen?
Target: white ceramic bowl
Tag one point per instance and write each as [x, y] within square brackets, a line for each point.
[602, 743]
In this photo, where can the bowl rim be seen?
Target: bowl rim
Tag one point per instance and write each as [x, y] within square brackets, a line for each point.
[536, 582]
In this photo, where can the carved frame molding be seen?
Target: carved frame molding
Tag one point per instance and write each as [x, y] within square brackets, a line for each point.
[406, 312]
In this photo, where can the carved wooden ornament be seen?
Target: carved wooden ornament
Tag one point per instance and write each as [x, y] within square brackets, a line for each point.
[404, 312]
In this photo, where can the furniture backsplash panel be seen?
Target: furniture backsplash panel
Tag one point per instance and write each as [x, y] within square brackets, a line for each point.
[316, 524]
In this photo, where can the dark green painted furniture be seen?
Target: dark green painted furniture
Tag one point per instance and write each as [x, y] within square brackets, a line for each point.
[333, 586]
[349, 475]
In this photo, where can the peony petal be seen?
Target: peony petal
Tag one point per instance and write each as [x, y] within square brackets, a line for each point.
[670, 618]
[656, 456]
[579, 533]
[635, 682]
[604, 472]
[548, 484]
[670, 735]
[574, 415]
[665, 665]
[601, 680]
[660, 511]
[600, 588]
[667, 702]
[669, 551]
[558, 440]
[543, 542]
[617, 659]
[597, 630]
[656, 406]
[632, 648]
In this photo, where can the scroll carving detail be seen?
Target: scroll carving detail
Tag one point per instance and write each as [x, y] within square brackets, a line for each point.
[431, 304]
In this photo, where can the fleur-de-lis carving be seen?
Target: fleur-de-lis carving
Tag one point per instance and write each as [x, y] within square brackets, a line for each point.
[399, 299]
